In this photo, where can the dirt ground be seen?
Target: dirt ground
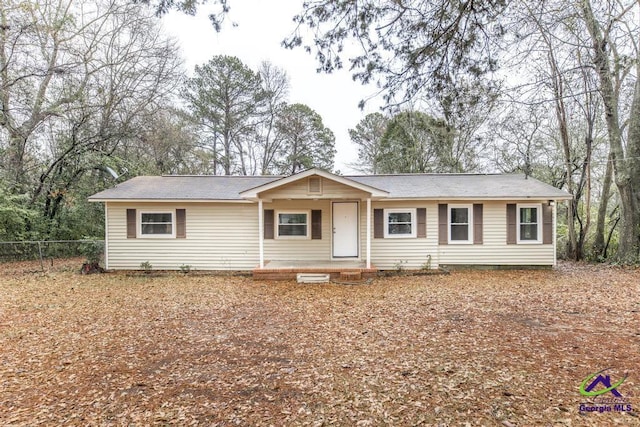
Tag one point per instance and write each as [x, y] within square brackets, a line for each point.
[506, 348]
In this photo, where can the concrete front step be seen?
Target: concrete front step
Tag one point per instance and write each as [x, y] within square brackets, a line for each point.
[334, 274]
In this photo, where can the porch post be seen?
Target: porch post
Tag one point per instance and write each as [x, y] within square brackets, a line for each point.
[555, 230]
[261, 233]
[369, 232]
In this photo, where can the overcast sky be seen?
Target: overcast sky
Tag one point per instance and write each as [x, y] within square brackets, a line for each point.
[257, 38]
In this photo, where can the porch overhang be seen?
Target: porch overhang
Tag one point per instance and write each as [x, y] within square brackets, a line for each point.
[254, 194]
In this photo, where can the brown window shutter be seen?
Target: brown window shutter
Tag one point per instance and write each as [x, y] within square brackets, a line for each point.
[131, 224]
[181, 223]
[316, 224]
[443, 227]
[547, 223]
[378, 223]
[477, 223]
[511, 224]
[268, 223]
[422, 222]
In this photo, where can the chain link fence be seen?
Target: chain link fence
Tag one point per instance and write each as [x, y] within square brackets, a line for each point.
[45, 250]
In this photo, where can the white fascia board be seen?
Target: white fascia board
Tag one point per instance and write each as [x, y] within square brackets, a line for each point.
[480, 199]
[169, 201]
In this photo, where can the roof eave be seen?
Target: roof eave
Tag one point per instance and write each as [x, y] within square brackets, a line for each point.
[494, 198]
[138, 200]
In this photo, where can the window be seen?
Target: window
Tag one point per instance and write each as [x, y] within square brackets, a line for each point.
[529, 223]
[293, 224]
[399, 223]
[157, 224]
[460, 224]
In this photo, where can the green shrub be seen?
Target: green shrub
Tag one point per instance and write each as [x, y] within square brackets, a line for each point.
[92, 249]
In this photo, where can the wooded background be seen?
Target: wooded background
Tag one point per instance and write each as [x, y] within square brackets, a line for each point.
[93, 93]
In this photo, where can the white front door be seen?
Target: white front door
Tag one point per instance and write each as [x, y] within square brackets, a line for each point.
[345, 229]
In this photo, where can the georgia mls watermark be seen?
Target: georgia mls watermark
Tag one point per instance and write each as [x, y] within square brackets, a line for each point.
[603, 394]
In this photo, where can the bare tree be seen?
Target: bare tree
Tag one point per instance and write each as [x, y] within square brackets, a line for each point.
[275, 83]
[604, 31]
[77, 79]
[367, 135]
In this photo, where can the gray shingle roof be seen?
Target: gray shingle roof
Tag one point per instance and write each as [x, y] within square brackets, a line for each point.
[420, 186]
[183, 188]
[462, 186]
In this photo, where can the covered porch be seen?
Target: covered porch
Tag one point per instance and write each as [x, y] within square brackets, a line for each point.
[314, 222]
[288, 270]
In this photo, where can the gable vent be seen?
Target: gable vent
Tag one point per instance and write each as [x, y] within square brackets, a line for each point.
[315, 185]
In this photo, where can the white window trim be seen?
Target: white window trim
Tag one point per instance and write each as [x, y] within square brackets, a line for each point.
[539, 223]
[157, 236]
[277, 225]
[469, 240]
[414, 221]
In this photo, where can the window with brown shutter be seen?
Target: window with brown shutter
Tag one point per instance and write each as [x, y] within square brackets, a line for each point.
[181, 223]
[511, 224]
[378, 223]
[131, 224]
[422, 222]
[477, 224]
[316, 224]
[268, 223]
[460, 224]
[547, 223]
[443, 227]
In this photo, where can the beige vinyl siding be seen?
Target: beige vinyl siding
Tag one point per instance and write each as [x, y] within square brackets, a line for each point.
[494, 250]
[300, 190]
[284, 249]
[413, 252]
[224, 236]
[220, 236]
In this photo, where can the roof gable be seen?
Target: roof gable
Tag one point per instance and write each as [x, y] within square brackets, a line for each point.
[254, 193]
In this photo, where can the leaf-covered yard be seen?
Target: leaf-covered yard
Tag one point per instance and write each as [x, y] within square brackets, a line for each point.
[484, 347]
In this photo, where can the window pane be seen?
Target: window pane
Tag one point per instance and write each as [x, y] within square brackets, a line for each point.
[156, 217]
[292, 230]
[459, 215]
[156, 223]
[528, 215]
[399, 228]
[528, 232]
[156, 228]
[459, 232]
[293, 218]
[396, 217]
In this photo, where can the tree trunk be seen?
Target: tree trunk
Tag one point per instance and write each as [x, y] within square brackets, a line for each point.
[632, 213]
[584, 188]
[226, 161]
[561, 115]
[215, 153]
[599, 242]
[15, 162]
[629, 234]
